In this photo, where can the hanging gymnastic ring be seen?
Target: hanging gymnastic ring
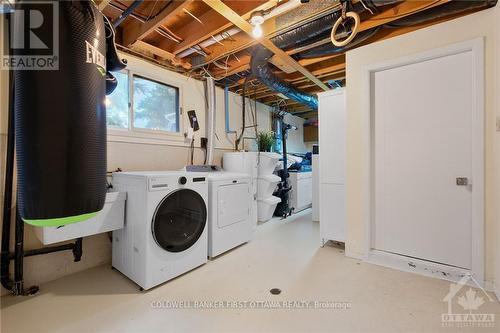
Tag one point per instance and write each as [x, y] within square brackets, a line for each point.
[353, 34]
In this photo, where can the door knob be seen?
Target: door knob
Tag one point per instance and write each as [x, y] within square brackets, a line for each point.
[462, 181]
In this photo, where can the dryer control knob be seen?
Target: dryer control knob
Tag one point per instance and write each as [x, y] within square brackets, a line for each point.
[182, 180]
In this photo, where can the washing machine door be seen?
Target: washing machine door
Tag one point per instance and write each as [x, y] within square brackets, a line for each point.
[179, 220]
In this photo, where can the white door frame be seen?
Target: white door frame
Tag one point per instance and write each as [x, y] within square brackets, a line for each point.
[476, 46]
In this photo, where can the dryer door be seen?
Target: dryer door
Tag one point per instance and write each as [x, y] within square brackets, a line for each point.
[179, 220]
[233, 204]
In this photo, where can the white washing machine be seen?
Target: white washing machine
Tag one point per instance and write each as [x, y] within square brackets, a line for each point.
[165, 232]
[230, 200]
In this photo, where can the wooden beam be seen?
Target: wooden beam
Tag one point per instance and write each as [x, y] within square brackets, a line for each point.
[270, 29]
[237, 20]
[214, 23]
[137, 30]
[307, 115]
[161, 53]
[400, 10]
[103, 4]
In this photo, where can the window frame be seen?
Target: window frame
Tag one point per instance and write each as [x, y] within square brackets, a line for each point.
[144, 135]
[116, 128]
[131, 105]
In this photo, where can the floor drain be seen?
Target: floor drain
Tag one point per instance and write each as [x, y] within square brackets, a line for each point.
[275, 291]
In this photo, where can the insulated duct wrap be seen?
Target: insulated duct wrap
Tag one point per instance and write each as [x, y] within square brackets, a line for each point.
[330, 49]
[263, 71]
[447, 9]
[303, 35]
[320, 29]
[60, 123]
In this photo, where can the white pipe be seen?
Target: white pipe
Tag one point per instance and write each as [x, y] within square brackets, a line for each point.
[210, 120]
[211, 41]
[276, 11]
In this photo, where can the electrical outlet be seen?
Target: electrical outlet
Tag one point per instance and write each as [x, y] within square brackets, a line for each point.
[203, 143]
[498, 123]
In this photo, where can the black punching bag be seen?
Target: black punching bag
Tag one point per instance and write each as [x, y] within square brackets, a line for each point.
[60, 123]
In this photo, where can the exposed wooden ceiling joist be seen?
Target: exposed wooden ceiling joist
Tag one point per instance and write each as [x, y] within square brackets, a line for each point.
[398, 11]
[270, 28]
[140, 45]
[136, 30]
[214, 23]
[103, 4]
[237, 20]
[315, 71]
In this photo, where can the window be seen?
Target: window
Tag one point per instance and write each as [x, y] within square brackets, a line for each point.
[155, 105]
[117, 103]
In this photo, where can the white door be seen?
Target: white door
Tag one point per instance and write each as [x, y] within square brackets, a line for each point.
[423, 127]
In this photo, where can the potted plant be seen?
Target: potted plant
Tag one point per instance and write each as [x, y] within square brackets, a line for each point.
[265, 140]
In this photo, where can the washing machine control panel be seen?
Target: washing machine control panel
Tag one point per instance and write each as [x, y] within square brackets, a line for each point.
[182, 180]
[158, 184]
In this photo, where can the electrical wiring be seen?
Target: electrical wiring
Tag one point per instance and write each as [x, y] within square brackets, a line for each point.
[215, 40]
[152, 9]
[159, 30]
[367, 8]
[192, 15]
[237, 59]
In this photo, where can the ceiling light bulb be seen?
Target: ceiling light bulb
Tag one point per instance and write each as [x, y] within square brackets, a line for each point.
[257, 31]
[257, 18]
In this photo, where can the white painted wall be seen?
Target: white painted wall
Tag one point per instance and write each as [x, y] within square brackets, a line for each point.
[132, 153]
[484, 23]
[295, 142]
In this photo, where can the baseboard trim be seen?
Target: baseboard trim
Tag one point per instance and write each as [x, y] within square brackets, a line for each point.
[416, 266]
[354, 255]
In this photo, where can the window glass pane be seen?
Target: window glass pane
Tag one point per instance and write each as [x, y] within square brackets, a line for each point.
[156, 105]
[117, 103]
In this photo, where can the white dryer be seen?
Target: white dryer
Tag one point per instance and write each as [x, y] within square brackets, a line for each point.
[230, 202]
[165, 233]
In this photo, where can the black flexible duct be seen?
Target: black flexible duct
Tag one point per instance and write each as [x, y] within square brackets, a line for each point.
[302, 35]
[330, 49]
[263, 71]
[450, 8]
[319, 29]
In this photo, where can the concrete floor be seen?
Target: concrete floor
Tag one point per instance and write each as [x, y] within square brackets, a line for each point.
[285, 255]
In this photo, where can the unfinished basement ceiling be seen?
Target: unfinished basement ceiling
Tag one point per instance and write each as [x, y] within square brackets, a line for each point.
[199, 39]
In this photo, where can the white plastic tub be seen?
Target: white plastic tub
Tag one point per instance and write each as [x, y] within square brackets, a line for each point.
[266, 207]
[266, 185]
[267, 163]
[110, 218]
